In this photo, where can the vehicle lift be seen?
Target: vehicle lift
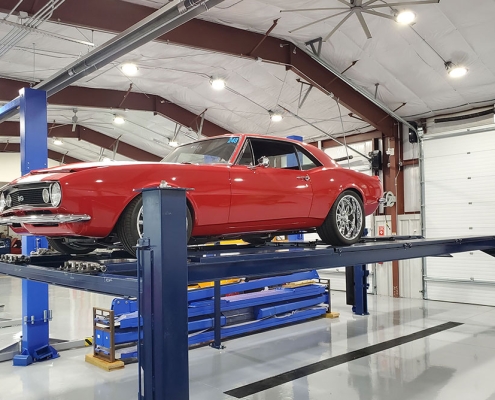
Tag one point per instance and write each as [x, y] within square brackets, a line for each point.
[165, 266]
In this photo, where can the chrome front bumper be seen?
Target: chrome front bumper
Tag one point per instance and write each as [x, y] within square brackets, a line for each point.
[44, 219]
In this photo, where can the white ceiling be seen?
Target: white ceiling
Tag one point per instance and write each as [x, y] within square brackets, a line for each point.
[405, 66]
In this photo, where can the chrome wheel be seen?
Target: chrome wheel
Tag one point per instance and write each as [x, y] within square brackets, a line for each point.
[349, 217]
[140, 222]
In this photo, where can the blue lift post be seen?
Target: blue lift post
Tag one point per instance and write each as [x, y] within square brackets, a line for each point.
[163, 353]
[34, 155]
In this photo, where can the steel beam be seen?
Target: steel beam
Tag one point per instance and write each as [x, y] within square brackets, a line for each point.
[77, 96]
[11, 129]
[210, 265]
[228, 40]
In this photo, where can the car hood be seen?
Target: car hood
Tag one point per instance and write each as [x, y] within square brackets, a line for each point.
[64, 169]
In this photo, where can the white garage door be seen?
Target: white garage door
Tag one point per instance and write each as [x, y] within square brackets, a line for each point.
[460, 200]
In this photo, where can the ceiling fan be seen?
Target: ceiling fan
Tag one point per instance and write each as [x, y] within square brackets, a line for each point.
[74, 121]
[357, 7]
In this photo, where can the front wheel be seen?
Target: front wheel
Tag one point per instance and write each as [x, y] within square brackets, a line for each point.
[344, 224]
[130, 226]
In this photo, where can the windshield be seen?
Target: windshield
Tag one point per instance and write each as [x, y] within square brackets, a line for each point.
[211, 151]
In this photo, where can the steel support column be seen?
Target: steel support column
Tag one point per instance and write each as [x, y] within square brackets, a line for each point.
[164, 288]
[361, 285]
[34, 154]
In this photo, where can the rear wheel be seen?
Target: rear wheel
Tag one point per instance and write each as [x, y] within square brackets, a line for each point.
[130, 227]
[68, 248]
[344, 224]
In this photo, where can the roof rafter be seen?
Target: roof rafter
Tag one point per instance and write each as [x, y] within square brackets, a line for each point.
[12, 129]
[206, 35]
[78, 96]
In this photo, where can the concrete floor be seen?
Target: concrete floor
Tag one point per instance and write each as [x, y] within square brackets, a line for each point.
[454, 364]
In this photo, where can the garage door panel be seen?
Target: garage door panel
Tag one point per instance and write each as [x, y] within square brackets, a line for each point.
[458, 206]
[482, 163]
[471, 217]
[460, 144]
[460, 292]
[473, 266]
[457, 191]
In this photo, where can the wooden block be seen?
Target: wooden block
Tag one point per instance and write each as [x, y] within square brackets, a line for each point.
[105, 365]
[332, 315]
[292, 285]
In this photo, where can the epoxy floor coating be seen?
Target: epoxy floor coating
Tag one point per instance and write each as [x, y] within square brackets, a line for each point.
[457, 363]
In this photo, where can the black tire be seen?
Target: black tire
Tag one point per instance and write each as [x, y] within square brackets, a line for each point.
[68, 248]
[347, 204]
[127, 226]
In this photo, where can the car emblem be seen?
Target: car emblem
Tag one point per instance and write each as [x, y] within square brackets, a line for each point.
[20, 199]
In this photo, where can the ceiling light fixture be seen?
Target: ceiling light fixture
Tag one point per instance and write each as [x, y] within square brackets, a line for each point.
[217, 83]
[58, 142]
[405, 17]
[173, 143]
[118, 120]
[130, 69]
[455, 71]
[276, 116]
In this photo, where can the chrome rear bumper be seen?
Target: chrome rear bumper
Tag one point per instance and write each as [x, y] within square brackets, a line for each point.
[44, 219]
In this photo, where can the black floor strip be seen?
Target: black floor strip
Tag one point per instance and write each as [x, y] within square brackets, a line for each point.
[290, 376]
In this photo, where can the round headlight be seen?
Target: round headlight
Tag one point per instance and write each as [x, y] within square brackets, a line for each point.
[46, 195]
[2, 202]
[8, 201]
[55, 194]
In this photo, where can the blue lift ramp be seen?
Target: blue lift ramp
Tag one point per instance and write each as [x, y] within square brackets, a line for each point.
[245, 307]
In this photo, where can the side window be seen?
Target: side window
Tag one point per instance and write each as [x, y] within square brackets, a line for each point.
[281, 154]
[246, 157]
[306, 160]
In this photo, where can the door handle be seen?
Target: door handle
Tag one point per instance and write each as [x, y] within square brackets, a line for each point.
[304, 178]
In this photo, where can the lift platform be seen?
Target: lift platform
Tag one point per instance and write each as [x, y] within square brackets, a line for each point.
[117, 276]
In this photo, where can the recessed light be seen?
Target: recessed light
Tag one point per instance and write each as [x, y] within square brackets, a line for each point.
[58, 142]
[119, 120]
[217, 83]
[276, 116]
[130, 69]
[173, 143]
[455, 71]
[405, 17]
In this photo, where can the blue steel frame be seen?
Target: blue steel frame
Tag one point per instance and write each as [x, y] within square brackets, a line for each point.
[163, 258]
[34, 154]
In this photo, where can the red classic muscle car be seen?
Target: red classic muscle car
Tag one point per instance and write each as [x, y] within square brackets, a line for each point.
[246, 186]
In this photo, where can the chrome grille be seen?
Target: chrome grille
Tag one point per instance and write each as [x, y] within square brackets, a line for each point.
[27, 195]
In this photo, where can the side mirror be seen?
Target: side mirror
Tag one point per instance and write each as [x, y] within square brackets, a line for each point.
[264, 162]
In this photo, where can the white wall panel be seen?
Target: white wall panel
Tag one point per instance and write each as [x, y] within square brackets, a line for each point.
[383, 271]
[412, 189]
[410, 271]
[10, 166]
[460, 200]
[358, 162]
